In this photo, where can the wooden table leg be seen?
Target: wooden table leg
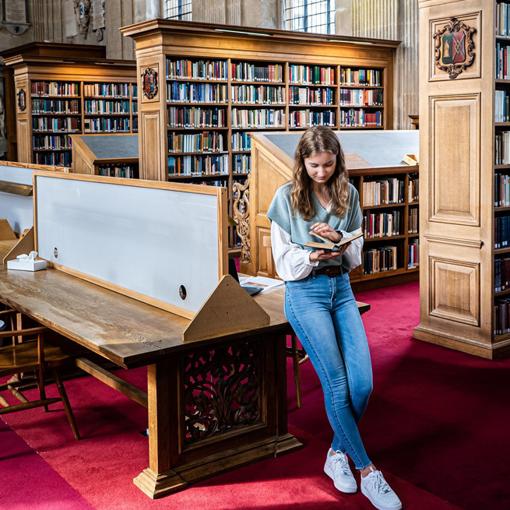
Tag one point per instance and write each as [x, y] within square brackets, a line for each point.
[214, 407]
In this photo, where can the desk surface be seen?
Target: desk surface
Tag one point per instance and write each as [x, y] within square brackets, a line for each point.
[121, 329]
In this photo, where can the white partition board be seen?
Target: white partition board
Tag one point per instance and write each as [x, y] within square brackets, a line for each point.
[17, 209]
[146, 240]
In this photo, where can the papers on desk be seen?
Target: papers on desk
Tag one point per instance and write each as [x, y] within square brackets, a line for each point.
[264, 283]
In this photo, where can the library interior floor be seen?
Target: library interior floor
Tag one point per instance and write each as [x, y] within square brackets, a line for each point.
[444, 445]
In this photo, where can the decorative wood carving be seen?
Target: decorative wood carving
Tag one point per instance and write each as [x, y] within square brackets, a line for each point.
[241, 197]
[150, 83]
[454, 47]
[222, 389]
[22, 100]
[82, 12]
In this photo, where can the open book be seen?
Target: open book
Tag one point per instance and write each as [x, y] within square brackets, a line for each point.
[326, 244]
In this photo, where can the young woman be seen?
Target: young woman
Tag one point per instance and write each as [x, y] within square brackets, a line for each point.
[319, 303]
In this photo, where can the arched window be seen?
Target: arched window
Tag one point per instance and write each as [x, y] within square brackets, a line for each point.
[178, 9]
[310, 16]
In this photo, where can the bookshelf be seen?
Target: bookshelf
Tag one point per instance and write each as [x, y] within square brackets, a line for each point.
[464, 216]
[218, 84]
[388, 191]
[57, 97]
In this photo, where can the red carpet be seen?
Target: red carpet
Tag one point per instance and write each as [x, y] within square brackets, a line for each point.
[436, 425]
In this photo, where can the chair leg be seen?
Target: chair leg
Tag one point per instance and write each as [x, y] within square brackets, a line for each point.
[297, 378]
[40, 383]
[67, 406]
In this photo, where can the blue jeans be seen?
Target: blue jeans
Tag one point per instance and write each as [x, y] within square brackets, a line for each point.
[324, 315]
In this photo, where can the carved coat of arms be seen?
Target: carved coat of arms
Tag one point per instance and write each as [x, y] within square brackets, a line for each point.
[22, 100]
[454, 47]
[150, 83]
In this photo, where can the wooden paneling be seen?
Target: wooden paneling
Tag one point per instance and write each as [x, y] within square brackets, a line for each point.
[455, 158]
[455, 290]
[456, 190]
[151, 166]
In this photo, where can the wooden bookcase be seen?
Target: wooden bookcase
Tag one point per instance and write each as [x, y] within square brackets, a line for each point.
[374, 160]
[73, 94]
[209, 86]
[110, 155]
[464, 278]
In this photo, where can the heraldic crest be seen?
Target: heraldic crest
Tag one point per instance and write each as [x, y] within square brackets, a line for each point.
[150, 83]
[454, 47]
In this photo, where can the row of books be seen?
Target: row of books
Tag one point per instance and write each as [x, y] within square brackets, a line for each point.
[381, 259]
[413, 189]
[197, 165]
[501, 273]
[56, 123]
[501, 106]
[383, 191]
[105, 106]
[118, 170]
[55, 88]
[196, 92]
[55, 106]
[502, 146]
[250, 119]
[241, 141]
[360, 97]
[502, 61]
[262, 94]
[106, 124]
[350, 76]
[106, 89]
[241, 163]
[501, 231]
[502, 316]
[306, 118]
[413, 220]
[51, 142]
[413, 254]
[200, 142]
[316, 75]
[199, 69]
[383, 224]
[315, 96]
[196, 117]
[244, 71]
[503, 18]
[501, 190]
[53, 158]
[360, 118]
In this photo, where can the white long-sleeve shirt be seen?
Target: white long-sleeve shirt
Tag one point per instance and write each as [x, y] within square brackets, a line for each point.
[293, 262]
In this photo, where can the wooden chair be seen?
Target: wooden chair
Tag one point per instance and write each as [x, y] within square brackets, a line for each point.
[31, 354]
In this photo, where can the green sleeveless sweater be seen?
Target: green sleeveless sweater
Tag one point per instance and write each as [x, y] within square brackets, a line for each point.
[281, 212]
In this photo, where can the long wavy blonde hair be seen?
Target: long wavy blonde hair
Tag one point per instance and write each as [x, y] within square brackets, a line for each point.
[315, 140]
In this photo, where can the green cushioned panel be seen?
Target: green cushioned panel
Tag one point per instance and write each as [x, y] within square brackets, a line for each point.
[113, 146]
[377, 148]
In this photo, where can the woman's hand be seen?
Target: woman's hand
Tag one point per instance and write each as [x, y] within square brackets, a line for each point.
[326, 231]
[317, 255]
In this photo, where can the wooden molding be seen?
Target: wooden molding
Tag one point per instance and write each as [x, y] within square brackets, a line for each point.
[229, 310]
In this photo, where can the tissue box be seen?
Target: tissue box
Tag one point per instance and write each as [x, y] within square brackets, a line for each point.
[27, 264]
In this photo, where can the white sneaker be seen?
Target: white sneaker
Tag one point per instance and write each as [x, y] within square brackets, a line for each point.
[380, 494]
[337, 468]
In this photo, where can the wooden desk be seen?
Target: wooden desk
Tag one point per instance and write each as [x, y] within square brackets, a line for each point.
[212, 404]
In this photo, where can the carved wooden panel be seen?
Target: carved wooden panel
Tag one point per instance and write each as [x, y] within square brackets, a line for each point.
[460, 47]
[455, 290]
[24, 139]
[264, 256]
[454, 147]
[150, 164]
[222, 390]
